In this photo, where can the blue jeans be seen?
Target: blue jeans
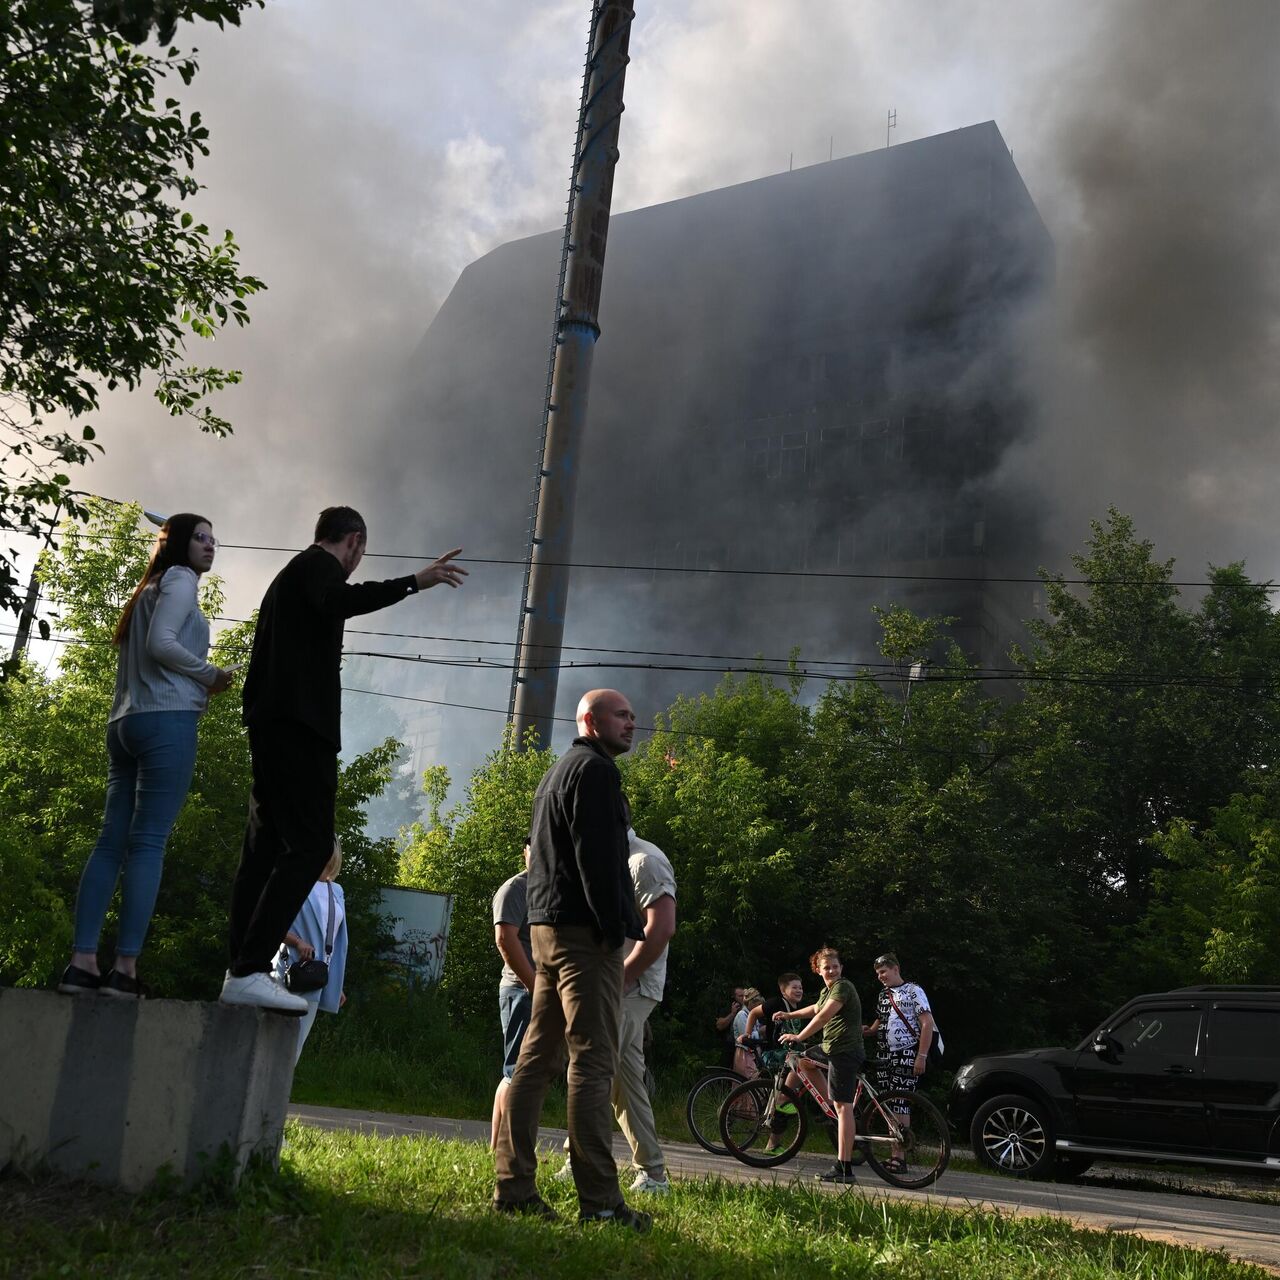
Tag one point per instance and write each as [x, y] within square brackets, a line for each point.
[515, 1005]
[153, 755]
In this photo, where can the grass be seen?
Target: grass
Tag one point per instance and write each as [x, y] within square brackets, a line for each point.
[400, 1055]
[347, 1205]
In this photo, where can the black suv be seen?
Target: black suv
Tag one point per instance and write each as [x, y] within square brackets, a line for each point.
[1192, 1076]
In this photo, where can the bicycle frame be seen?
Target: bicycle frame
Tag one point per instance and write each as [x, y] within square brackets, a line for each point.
[865, 1090]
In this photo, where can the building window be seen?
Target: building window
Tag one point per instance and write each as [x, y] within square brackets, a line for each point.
[879, 442]
[783, 455]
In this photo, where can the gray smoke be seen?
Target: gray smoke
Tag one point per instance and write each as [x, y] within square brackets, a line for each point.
[1160, 373]
[365, 159]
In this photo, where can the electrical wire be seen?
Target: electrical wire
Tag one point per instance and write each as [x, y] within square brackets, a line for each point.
[821, 574]
[935, 674]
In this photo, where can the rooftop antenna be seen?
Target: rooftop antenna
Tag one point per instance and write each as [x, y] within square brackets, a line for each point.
[891, 122]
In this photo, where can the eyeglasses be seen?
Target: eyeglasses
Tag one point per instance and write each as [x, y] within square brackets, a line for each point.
[205, 539]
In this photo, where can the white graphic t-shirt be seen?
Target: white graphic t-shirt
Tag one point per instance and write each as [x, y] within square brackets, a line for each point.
[899, 1031]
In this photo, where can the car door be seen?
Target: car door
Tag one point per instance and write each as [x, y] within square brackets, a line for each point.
[1145, 1090]
[1242, 1077]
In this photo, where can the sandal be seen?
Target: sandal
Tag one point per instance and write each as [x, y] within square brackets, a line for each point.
[894, 1164]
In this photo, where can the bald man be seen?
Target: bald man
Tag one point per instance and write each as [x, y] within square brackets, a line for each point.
[582, 911]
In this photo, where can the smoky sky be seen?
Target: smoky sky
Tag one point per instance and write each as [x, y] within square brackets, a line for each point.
[1161, 382]
[365, 158]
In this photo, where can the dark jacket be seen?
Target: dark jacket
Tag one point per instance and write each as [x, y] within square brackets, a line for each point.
[578, 855]
[297, 648]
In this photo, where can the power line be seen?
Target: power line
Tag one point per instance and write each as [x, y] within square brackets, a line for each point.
[821, 574]
[779, 573]
[935, 674]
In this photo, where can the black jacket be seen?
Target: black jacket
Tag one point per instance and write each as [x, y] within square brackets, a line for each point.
[578, 871]
[297, 648]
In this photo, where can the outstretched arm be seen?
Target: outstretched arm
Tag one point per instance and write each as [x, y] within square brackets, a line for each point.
[816, 1023]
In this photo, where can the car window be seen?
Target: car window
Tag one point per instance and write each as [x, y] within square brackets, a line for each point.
[1246, 1033]
[1159, 1033]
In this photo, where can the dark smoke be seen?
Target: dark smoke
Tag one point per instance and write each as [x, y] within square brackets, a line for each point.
[1161, 377]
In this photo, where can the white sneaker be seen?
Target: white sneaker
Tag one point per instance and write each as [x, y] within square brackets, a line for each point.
[564, 1174]
[653, 1186]
[262, 991]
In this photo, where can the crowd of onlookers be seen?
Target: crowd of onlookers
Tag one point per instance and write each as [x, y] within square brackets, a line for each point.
[583, 930]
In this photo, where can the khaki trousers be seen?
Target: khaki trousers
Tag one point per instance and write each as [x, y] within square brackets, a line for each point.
[630, 1097]
[576, 1007]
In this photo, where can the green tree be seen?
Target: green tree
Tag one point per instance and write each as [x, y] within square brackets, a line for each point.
[1216, 899]
[53, 785]
[1137, 711]
[103, 277]
[468, 853]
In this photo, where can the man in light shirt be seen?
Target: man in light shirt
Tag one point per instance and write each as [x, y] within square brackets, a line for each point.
[515, 991]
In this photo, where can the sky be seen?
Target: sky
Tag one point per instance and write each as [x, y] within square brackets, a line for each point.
[364, 155]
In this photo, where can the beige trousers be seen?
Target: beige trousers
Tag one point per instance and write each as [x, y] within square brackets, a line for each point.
[630, 1097]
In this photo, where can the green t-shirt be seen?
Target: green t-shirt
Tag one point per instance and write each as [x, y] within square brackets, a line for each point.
[843, 1034]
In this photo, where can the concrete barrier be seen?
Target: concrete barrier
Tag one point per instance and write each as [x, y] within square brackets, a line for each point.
[116, 1091]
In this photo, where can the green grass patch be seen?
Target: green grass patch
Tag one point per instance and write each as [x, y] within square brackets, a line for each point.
[345, 1204]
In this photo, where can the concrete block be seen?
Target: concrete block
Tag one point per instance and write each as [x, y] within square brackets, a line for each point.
[115, 1091]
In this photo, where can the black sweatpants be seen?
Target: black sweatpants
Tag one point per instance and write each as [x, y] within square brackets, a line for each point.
[287, 842]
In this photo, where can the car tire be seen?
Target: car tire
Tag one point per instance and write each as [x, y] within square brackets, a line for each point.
[1012, 1134]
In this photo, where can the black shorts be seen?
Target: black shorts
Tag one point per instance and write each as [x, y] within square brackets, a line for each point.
[842, 1079]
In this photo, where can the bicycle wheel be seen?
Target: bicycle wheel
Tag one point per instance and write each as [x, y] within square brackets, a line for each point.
[906, 1139]
[702, 1109]
[750, 1122]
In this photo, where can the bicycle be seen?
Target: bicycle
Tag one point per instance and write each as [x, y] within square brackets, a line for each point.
[703, 1101]
[902, 1135]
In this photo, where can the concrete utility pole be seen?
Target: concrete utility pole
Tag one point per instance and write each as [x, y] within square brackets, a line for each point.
[535, 676]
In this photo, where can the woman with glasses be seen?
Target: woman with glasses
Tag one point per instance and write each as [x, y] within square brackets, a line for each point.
[163, 682]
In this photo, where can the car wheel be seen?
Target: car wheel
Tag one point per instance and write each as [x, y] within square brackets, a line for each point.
[1012, 1134]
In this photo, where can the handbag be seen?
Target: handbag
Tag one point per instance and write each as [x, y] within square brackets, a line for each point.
[303, 976]
[934, 1057]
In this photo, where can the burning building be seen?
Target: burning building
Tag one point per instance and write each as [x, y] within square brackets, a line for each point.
[801, 398]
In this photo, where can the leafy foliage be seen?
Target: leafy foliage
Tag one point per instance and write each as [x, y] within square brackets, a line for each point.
[102, 276]
[468, 853]
[1217, 897]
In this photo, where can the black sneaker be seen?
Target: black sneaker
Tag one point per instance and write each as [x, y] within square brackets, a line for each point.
[621, 1216]
[837, 1173]
[78, 982]
[534, 1207]
[122, 987]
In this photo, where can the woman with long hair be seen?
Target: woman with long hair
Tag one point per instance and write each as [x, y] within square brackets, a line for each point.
[163, 682]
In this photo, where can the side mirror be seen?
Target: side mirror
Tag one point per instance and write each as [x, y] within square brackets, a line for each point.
[1106, 1047]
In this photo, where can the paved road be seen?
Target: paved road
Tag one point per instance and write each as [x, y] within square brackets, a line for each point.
[1247, 1231]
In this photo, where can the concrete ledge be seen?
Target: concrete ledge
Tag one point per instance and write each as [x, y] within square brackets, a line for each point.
[115, 1091]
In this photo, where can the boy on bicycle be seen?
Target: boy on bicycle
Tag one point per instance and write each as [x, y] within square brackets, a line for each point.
[838, 1016]
[775, 1016]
